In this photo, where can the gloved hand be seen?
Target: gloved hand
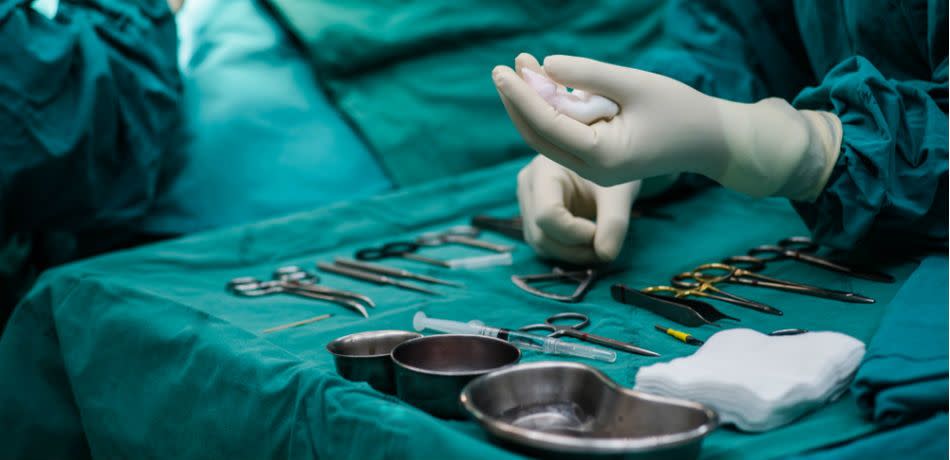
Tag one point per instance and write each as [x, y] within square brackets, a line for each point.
[569, 218]
[666, 127]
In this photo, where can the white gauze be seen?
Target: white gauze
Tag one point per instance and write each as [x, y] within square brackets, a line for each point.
[579, 105]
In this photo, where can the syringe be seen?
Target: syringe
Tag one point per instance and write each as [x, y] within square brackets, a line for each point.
[520, 339]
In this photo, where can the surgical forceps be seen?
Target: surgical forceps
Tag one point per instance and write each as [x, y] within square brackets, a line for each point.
[375, 278]
[689, 284]
[688, 312]
[574, 331]
[802, 248]
[721, 273]
[460, 234]
[393, 272]
[294, 280]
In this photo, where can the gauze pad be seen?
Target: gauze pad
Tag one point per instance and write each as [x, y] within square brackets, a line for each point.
[579, 105]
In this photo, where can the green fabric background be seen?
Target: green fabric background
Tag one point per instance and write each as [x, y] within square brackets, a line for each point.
[142, 353]
[415, 79]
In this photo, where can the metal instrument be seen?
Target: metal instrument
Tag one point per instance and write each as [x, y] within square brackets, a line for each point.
[556, 409]
[297, 323]
[511, 227]
[721, 273]
[289, 281]
[687, 312]
[574, 330]
[394, 272]
[802, 249]
[403, 249]
[371, 277]
[584, 278]
[460, 234]
[689, 284]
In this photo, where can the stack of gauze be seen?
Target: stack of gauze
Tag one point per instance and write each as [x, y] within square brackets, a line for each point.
[759, 382]
[577, 104]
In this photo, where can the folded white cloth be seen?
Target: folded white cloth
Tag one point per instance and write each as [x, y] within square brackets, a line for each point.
[758, 382]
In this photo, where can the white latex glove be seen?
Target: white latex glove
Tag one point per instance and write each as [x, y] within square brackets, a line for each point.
[665, 127]
[570, 218]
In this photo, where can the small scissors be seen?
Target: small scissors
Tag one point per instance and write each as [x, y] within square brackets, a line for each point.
[721, 273]
[690, 284]
[574, 330]
[460, 234]
[293, 280]
[404, 249]
[803, 248]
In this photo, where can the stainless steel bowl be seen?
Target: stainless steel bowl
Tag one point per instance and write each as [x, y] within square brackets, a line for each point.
[572, 410]
[431, 371]
[364, 357]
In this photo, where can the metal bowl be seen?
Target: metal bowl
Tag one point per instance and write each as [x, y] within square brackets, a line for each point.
[431, 371]
[364, 357]
[573, 410]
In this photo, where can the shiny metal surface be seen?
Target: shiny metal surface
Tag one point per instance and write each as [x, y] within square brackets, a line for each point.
[572, 410]
[431, 371]
[364, 357]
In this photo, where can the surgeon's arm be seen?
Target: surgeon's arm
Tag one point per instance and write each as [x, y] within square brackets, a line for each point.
[888, 186]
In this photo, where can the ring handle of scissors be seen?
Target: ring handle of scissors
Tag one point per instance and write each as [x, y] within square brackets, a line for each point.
[295, 274]
[685, 281]
[251, 287]
[748, 263]
[769, 253]
[582, 320]
[799, 243]
[556, 331]
[702, 272]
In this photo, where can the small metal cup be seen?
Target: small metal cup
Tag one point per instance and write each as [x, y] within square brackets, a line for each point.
[431, 371]
[364, 357]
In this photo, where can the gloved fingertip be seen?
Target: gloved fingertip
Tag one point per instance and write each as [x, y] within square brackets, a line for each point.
[607, 250]
[499, 74]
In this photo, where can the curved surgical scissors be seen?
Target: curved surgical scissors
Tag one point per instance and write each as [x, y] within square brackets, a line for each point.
[721, 273]
[574, 330]
[294, 280]
[802, 248]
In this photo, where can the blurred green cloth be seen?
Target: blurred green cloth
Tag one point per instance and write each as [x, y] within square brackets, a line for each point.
[923, 440]
[89, 95]
[415, 79]
[904, 375]
[142, 353]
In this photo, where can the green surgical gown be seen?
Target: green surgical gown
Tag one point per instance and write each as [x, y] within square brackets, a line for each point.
[88, 109]
[880, 65]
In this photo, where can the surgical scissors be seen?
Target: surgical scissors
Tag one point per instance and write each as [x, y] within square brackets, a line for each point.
[802, 248]
[460, 234]
[690, 284]
[288, 280]
[735, 275]
[574, 330]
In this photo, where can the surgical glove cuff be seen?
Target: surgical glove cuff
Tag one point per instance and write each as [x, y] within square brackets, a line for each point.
[774, 149]
[825, 136]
